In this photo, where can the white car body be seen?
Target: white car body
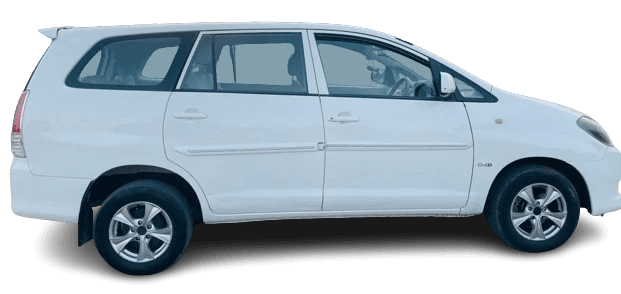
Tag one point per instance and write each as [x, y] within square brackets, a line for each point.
[258, 157]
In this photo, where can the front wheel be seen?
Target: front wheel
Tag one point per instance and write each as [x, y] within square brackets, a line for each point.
[533, 208]
[143, 227]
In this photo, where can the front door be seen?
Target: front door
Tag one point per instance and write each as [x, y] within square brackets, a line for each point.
[391, 142]
[250, 133]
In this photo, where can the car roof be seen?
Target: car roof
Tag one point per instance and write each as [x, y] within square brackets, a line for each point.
[148, 28]
[103, 31]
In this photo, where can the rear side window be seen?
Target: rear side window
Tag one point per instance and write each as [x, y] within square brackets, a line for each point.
[260, 63]
[146, 62]
[159, 63]
[199, 74]
[271, 63]
[91, 67]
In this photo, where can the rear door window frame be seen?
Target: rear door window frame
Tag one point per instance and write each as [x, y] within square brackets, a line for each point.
[308, 62]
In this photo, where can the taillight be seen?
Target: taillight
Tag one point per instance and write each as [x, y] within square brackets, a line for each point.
[17, 142]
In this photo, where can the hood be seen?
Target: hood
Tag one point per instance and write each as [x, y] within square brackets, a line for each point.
[502, 94]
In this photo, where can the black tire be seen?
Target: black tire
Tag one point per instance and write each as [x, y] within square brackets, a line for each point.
[154, 192]
[501, 198]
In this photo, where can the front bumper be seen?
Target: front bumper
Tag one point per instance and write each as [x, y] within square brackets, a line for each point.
[42, 197]
[602, 179]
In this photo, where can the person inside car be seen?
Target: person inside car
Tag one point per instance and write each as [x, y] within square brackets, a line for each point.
[404, 86]
[199, 75]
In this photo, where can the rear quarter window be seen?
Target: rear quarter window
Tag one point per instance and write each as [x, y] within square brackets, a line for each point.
[159, 63]
[141, 62]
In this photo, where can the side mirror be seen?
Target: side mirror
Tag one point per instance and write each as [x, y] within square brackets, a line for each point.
[447, 84]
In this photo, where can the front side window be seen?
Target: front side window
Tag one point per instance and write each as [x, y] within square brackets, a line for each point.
[358, 68]
[148, 62]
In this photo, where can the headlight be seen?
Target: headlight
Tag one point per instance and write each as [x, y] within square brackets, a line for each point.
[594, 129]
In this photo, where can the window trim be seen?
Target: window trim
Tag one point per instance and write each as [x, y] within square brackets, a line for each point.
[311, 83]
[243, 92]
[167, 84]
[343, 36]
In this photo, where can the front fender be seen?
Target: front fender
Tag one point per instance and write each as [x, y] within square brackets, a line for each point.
[518, 127]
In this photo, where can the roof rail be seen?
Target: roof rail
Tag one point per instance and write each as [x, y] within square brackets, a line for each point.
[52, 33]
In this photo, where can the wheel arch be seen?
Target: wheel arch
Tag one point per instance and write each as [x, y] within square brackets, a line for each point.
[101, 187]
[568, 170]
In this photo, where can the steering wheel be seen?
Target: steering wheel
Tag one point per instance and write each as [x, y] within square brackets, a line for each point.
[396, 86]
[424, 89]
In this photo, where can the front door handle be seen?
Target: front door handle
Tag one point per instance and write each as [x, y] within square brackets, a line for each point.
[344, 119]
[190, 115]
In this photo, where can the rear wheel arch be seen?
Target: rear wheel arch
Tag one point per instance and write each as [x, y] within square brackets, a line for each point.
[109, 181]
[143, 227]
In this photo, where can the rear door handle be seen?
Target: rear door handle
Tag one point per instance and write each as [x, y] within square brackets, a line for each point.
[344, 119]
[190, 115]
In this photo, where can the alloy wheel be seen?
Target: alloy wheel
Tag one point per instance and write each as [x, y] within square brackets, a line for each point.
[140, 231]
[538, 212]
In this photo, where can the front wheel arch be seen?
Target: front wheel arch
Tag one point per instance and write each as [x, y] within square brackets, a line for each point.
[510, 223]
[563, 167]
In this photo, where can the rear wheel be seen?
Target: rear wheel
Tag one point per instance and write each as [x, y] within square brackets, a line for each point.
[533, 208]
[143, 227]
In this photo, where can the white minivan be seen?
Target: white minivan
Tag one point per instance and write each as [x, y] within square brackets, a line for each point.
[168, 126]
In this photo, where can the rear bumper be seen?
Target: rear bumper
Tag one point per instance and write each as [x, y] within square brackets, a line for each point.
[602, 179]
[50, 198]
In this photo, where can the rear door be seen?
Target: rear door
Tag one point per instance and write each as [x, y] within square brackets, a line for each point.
[246, 122]
[391, 142]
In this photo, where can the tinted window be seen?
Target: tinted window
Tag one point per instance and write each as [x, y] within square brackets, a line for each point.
[139, 62]
[125, 62]
[159, 62]
[467, 91]
[199, 74]
[268, 63]
[91, 67]
[358, 68]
